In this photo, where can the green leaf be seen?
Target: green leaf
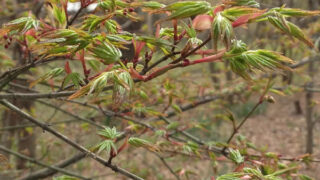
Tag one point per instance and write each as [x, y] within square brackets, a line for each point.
[123, 84]
[75, 78]
[236, 157]
[51, 74]
[305, 177]
[94, 64]
[293, 12]
[173, 125]
[221, 31]
[137, 142]
[106, 51]
[22, 24]
[110, 133]
[152, 5]
[186, 9]
[254, 172]
[231, 176]
[99, 82]
[176, 108]
[107, 146]
[251, 3]
[242, 60]
[59, 14]
[289, 28]
[234, 12]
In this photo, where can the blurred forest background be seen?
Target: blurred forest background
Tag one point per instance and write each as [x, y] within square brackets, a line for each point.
[290, 126]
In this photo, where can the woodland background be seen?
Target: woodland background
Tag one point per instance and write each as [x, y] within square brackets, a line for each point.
[289, 127]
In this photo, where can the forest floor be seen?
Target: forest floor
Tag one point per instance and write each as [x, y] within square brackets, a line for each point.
[283, 131]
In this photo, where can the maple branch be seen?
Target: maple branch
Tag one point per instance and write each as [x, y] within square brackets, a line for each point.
[69, 141]
[71, 114]
[63, 171]
[164, 162]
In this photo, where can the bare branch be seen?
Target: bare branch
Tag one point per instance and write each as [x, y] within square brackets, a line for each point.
[69, 141]
[43, 173]
[2, 148]
[167, 166]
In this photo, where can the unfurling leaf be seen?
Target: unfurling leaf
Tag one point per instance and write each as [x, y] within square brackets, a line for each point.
[59, 14]
[251, 3]
[221, 31]
[22, 24]
[305, 177]
[105, 51]
[148, 5]
[121, 79]
[75, 78]
[109, 133]
[236, 157]
[246, 19]
[253, 172]
[231, 176]
[242, 60]
[289, 28]
[202, 22]
[235, 12]
[51, 74]
[186, 9]
[292, 12]
[122, 86]
[137, 142]
[108, 146]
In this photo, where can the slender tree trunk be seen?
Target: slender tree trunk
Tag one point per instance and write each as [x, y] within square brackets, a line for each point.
[309, 110]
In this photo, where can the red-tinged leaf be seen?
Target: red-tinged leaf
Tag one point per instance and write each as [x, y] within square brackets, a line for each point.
[212, 178]
[31, 32]
[218, 9]
[67, 67]
[246, 177]
[138, 45]
[182, 172]
[245, 19]
[123, 146]
[84, 67]
[51, 83]
[84, 90]
[202, 22]
[239, 168]
[65, 6]
[158, 31]
[257, 162]
[134, 74]
[221, 158]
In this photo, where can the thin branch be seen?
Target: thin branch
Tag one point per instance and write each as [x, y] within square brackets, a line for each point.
[235, 130]
[192, 51]
[186, 134]
[69, 23]
[2, 148]
[71, 114]
[167, 166]
[164, 58]
[43, 173]
[69, 141]
[9, 128]
[35, 95]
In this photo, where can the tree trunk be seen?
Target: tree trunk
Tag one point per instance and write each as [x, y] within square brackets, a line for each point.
[309, 110]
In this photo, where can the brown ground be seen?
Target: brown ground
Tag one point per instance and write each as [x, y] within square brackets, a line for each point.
[283, 131]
